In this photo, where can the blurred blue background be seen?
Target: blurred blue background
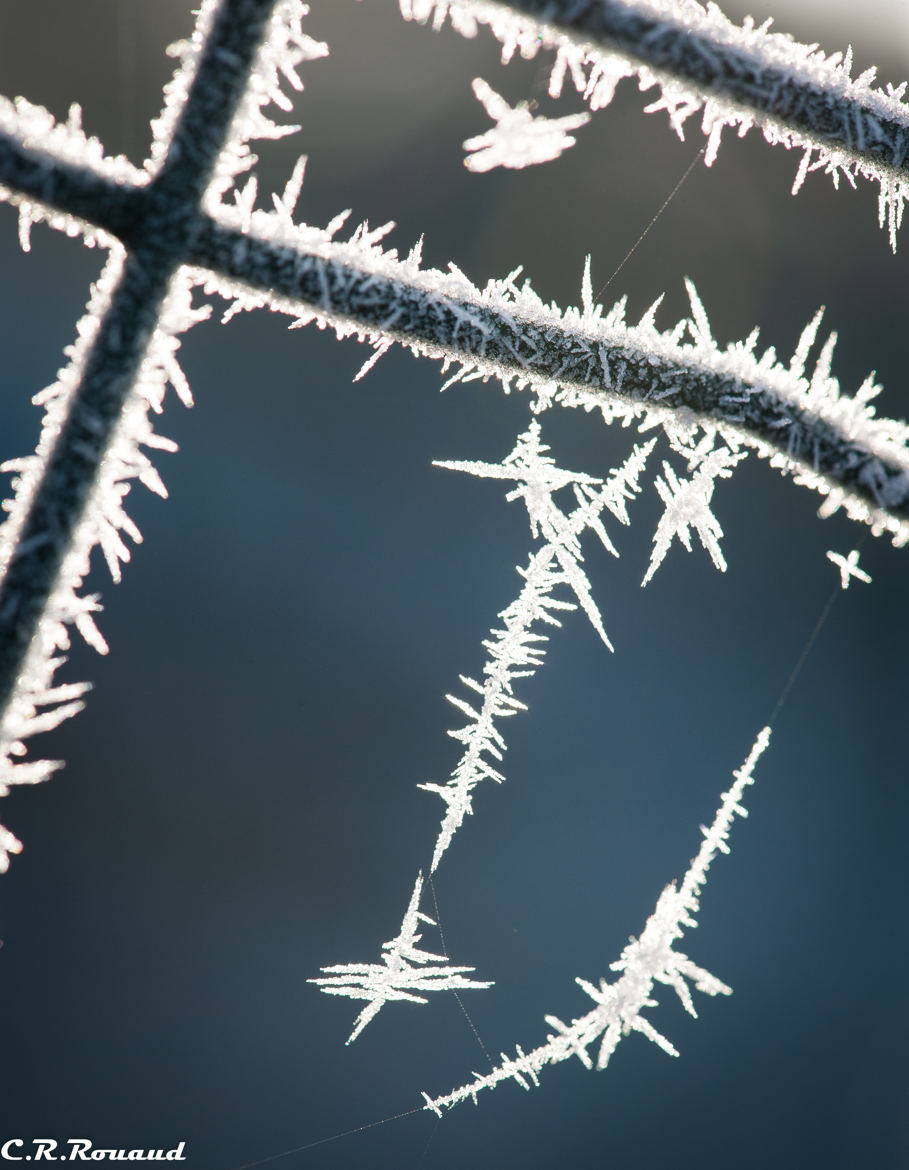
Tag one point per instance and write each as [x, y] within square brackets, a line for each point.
[239, 803]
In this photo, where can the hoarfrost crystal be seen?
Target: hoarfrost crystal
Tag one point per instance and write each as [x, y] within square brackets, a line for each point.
[848, 567]
[687, 506]
[515, 650]
[405, 973]
[519, 138]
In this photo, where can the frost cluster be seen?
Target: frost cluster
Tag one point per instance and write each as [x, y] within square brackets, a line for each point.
[519, 138]
[848, 567]
[405, 973]
[516, 649]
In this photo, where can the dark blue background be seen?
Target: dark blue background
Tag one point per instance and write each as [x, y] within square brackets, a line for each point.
[239, 803]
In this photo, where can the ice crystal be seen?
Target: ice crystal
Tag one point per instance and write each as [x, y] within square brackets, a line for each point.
[519, 137]
[284, 50]
[687, 506]
[678, 378]
[709, 402]
[39, 703]
[405, 973]
[848, 567]
[36, 128]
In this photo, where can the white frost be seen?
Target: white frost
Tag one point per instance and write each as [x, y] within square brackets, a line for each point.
[39, 704]
[519, 138]
[647, 961]
[516, 649]
[687, 506]
[405, 972]
[848, 567]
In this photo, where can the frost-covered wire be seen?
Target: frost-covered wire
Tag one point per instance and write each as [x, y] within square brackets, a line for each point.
[69, 494]
[579, 357]
[737, 76]
[799, 420]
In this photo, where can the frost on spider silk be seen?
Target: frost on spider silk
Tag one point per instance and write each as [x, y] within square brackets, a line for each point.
[687, 502]
[647, 961]
[701, 62]
[519, 138]
[514, 651]
[711, 450]
[678, 379]
[405, 973]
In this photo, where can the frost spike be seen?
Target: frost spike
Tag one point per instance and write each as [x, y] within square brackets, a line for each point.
[406, 971]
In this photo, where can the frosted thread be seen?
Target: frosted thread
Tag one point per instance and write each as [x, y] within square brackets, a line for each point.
[646, 962]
